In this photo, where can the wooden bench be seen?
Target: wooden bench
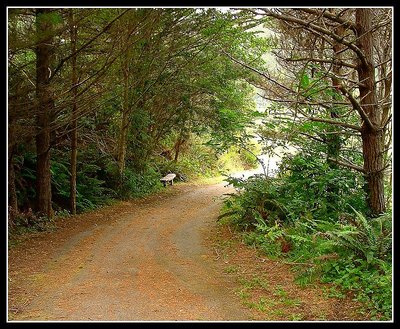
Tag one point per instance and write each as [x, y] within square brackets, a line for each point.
[168, 179]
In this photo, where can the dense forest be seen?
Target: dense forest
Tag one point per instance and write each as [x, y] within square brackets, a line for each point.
[103, 102]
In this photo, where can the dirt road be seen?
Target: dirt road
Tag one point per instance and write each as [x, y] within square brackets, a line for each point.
[141, 260]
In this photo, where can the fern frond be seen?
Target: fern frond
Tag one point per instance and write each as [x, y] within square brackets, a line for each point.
[363, 222]
[226, 214]
[299, 238]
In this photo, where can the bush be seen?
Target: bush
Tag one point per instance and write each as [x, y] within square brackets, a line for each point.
[28, 221]
[138, 184]
[133, 183]
[369, 239]
[25, 179]
[307, 188]
[257, 199]
[293, 216]
[197, 160]
[311, 188]
[90, 190]
[371, 285]
[238, 159]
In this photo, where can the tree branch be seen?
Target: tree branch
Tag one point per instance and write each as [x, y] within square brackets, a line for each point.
[357, 107]
[348, 164]
[330, 16]
[107, 27]
[303, 102]
[255, 70]
[319, 29]
[313, 137]
[320, 60]
[333, 122]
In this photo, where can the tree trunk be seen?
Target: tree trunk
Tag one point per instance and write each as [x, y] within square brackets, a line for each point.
[334, 140]
[386, 111]
[177, 147]
[45, 104]
[12, 194]
[371, 136]
[74, 131]
[124, 127]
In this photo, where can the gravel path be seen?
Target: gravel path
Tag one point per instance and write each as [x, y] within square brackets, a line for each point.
[139, 260]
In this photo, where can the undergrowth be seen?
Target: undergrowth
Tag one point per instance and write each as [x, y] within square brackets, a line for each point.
[292, 216]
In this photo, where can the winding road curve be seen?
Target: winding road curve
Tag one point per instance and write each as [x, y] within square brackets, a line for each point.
[147, 260]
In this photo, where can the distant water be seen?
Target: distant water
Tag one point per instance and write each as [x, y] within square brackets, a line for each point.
[270, 165]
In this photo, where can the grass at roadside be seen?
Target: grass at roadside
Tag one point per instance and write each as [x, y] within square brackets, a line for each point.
[268, 287]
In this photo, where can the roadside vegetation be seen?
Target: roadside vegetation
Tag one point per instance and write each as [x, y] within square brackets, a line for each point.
[103, 102]
[327, 237]
[328, 210]
[98, 187]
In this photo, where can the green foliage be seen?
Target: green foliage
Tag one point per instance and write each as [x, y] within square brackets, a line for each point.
[137, 184]
[304, 81]
[197, 160]
[90, 189]
[238, 159]
[318, 190]
[25, 177]
[53, 18]
[267, 244]
[256, 201]
[196, 89]
[336, 243]
[302, 191]
[28, 221]
[248, 159]
[371, 285]
[370, 239]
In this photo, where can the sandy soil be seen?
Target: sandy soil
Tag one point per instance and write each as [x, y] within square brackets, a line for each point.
[158, 258]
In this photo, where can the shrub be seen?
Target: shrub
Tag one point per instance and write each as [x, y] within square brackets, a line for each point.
[198, 160]
[90, 190]
[256, 200]
[371, 285]
[138, 184]
[25, 179]
[133, 183]
[310, 187]
[332, 241]
[369, 239]
[28, 221]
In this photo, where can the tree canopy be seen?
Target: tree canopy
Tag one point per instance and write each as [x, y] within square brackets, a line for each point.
[113, 88]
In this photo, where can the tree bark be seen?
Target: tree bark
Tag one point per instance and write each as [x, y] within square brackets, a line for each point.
[371, 136]
[12, 193]
[45, 105]
[74, 130]
[334, 140]
[177, 147]
[124, 127]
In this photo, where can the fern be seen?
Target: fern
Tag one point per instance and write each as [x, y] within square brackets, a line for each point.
[369, 239]
[299, 238]
[227, 214]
